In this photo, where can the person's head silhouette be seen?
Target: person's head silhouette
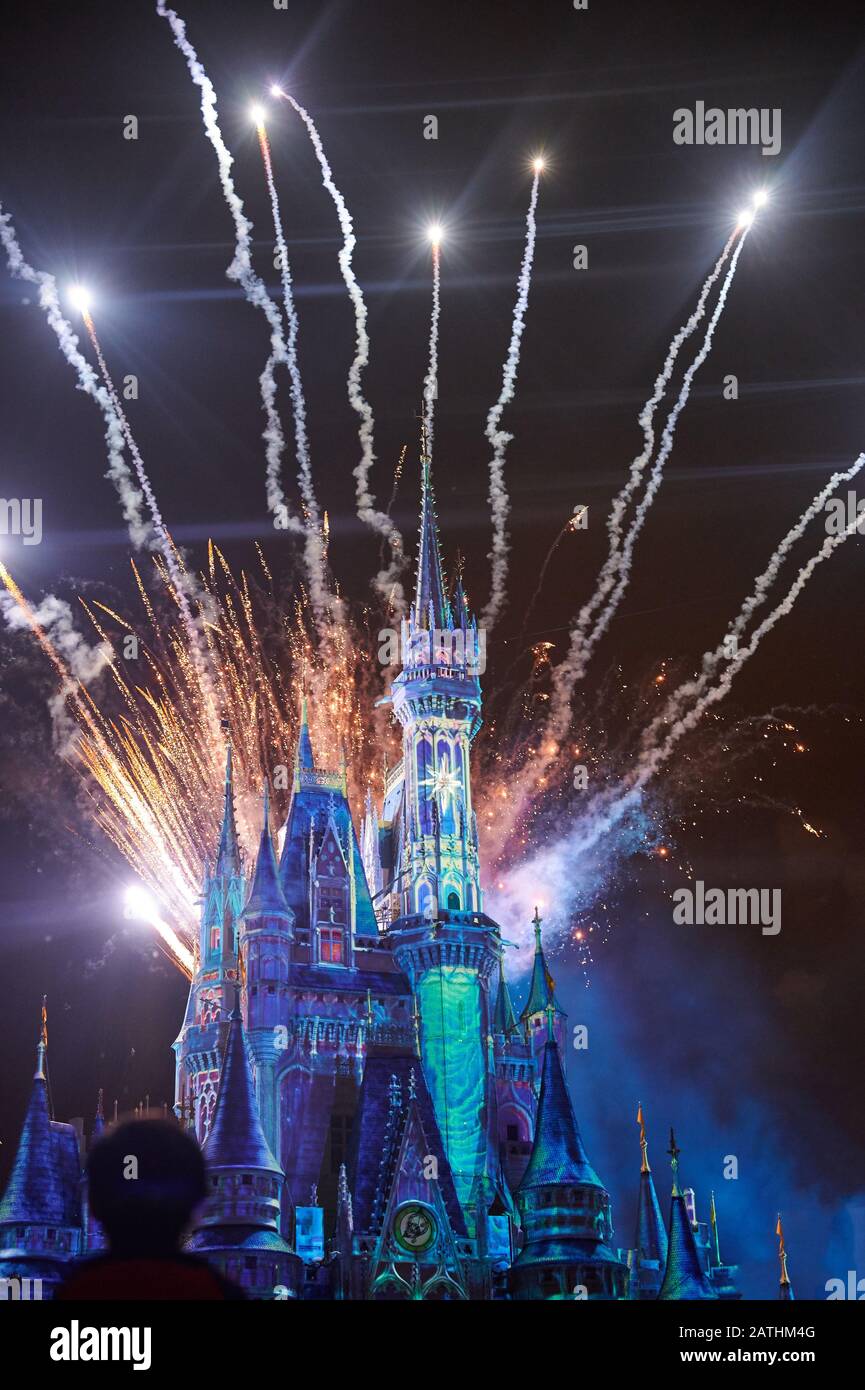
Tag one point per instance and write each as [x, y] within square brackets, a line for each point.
[145, 1179]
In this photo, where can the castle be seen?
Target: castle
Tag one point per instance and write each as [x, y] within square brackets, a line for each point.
[378, 1121]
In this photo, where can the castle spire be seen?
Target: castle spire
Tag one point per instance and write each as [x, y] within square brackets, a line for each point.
[683, 1276]
[558, 1154]
[303, 758]
[34, 1193]
[785, 1289]
[228, 854]
[236, 1139]
[503, 1012]
[431, 607]
[266, 898]
[650, 1239]
[542, 987]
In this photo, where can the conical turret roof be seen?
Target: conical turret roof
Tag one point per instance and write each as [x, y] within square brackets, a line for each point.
[236, 1139]
[558, 1154]
[266, 898]
[228, 854]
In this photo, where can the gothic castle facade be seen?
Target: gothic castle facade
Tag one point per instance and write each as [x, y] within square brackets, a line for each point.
[378, 1120]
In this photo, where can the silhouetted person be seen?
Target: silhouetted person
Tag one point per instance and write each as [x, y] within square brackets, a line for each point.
[145, 1180]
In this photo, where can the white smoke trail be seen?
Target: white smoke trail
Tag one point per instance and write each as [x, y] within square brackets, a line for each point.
[387, 582]
[118, 469]
[574, 666]
[314, 543]
[646, 421]
[430, 384]
[762, 585]
[241, 271]
[84, 662]
[606, 810]
[499, 438]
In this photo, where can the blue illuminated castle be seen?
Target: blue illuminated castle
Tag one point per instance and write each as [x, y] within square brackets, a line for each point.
[378, 1121]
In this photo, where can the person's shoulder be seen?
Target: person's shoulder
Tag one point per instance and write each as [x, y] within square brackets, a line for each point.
[229, 1289]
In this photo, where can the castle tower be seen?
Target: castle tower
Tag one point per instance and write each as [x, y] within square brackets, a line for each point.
[40, 1211]
[564, 1207]
[683, 1276]
[650, 1238]
[785, 1288]
[441, 939]
[541, 996]
[239, 1230]
[202, 1037]
[265, 955]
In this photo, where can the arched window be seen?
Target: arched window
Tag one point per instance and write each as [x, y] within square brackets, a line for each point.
[453, 902]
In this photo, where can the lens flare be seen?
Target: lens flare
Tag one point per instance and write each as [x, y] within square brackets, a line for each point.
[435, 233]
[761, 198]
[746, 217]
[257, 114]
[80, 299]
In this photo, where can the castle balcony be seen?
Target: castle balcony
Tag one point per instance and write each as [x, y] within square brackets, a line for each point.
[469, 940]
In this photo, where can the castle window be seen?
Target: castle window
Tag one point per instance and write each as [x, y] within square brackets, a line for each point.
[454, 902]
[331, 941]
[513, 1132]
[214, 938]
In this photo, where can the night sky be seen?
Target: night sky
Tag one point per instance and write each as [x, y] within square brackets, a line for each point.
[749, 1045]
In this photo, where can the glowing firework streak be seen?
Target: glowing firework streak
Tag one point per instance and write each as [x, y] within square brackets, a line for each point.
[728, 648]
[386, 582]
[574, 666]
[140, 906]
[242, 273]
[499, 438]
[430, 385]
[118, 470]
[314, 545]
[179, 577]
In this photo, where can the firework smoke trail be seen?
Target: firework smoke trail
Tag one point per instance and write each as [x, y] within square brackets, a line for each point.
[499, 438]
[573, 668]
[431, 378]
[180, 579]
[314, 544]
[646, 422]
[118, 470]
[387, 583]
[607, 810]
[253, 287]
[762, 586]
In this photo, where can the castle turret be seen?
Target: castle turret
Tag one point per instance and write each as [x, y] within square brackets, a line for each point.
[40, 1211]
[265, 953]
[785, 1288]
[683, 1276]
[650, 1239]
[541, 996]
[503, 1021]
[239, 1229]
[214, 981]
[442, 940]
[564, 1207]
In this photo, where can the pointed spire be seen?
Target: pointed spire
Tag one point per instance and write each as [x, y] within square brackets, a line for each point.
[683, 1276]
[431, 607]
[236, 1138]
[651, 1238]
[303, 758]
[228, 854]
[503, 1011]
[34, 1192]
[785, 1289]
[558, 1154]
[542, 987]
[266, 898]
[713, 1223]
